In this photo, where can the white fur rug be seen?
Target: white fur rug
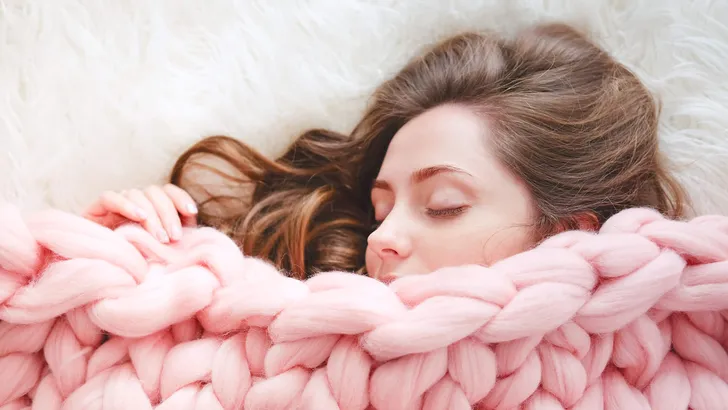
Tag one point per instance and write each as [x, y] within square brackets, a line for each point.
[104, 94]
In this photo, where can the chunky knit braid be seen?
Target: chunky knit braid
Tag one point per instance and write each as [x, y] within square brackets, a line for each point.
[633, 317]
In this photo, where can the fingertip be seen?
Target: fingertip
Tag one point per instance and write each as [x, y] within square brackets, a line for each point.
[176, 233]
[162, 236]
[140, 213]
[191, 208]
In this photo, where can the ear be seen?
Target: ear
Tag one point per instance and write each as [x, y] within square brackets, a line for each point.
[586, 221]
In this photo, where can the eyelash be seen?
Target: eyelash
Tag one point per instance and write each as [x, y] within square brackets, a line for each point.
[435, 213]
[446, 213]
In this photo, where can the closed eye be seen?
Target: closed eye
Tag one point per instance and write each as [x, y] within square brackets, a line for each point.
[447, 212]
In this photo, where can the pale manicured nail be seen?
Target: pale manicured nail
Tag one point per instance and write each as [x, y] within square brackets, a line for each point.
[191, 208]
[176, 233]
[162, 236]
[140, 213]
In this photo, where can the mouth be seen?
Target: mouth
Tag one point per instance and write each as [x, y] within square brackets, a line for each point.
[387, 279]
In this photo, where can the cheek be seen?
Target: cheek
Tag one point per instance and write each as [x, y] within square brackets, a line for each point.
[507, 242]
[453, 252]
[371, 261]
[476, 247]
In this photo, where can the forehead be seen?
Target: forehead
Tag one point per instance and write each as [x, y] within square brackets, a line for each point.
[448, 134]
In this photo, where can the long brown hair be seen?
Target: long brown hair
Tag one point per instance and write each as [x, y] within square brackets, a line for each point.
[575, 125]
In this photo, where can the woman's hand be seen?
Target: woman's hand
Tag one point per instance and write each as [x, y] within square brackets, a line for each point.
[162, 211]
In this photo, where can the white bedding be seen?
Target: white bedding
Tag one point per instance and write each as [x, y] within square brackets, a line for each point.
[104, 94]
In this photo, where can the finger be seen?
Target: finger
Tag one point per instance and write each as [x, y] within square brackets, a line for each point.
[112, 202]
[166, 211]
[152, 223]
[183, 202]
[181, 199]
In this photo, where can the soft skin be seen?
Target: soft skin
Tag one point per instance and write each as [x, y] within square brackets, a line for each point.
[442, 199]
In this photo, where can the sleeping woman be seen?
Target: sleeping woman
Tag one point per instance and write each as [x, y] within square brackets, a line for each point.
[479, 148]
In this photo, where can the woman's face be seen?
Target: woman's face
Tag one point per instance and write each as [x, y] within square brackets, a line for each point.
[442, 199]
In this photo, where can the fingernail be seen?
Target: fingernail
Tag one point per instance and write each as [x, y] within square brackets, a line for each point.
[191, 208]
[141, 214]
[176, 233]
[162, 236]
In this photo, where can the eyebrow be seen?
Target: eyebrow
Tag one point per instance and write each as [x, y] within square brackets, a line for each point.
[422, 175]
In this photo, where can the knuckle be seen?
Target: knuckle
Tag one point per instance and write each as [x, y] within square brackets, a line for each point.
[107, 196]
[175, 192]
[170, 222]
[170, 191]
[153, 222]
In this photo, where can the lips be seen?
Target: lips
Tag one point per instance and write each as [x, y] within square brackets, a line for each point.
[387, 279]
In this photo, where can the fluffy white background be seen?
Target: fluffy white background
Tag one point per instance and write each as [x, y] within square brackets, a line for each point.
[104, 94]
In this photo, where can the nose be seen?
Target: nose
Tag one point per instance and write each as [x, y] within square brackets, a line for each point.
[390, 242]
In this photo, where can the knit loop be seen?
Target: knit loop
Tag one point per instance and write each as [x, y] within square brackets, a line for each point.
[633, 316]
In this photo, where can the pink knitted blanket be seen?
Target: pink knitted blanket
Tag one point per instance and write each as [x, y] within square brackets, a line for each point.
[631, 318]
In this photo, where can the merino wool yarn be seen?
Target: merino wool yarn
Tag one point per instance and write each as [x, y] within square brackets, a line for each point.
[632, 317]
